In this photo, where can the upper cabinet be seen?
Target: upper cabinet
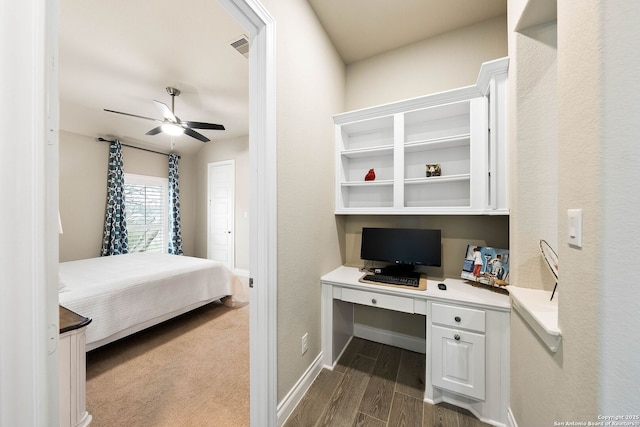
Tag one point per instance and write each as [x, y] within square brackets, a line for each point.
[437, 154]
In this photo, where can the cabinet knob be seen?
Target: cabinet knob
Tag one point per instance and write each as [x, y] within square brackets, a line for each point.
[457, 319]
[373, 301]
[456, 337]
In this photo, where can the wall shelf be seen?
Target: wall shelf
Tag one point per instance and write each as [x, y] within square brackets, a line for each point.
[462, 130]
[368, 152]
[379, 182]
[438, 179]
[539, 312]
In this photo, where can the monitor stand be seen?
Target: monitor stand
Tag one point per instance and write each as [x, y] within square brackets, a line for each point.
[402, 270]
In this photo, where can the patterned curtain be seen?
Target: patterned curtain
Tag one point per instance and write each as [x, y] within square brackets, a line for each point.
[115, 240]
[175, 235]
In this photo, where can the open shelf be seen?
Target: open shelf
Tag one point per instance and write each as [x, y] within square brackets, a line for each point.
[437, 143]
[400, 140]
[438, 179]
[540, 312]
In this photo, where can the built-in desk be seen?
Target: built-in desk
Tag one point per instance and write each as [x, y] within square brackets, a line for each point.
[467, 342]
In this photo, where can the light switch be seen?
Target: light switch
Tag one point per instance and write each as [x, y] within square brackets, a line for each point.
[575, 227]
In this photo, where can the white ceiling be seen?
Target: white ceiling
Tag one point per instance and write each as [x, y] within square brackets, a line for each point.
[363, 28]
[121, 54]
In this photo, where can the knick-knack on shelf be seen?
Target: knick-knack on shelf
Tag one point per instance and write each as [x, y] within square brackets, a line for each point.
[433, 170]
[370, 176]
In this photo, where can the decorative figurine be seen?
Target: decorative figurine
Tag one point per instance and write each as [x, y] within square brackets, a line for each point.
[433, 170]
[370, 176]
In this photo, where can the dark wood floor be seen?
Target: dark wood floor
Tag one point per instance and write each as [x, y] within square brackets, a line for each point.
[375, 385]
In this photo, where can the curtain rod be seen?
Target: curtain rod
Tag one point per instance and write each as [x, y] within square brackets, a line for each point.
[133, 146]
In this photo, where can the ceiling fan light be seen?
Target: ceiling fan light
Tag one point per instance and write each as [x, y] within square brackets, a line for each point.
[172, 129]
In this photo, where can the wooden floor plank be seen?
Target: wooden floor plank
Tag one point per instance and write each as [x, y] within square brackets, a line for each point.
[377, 398]
[357, 346]
[338, 398]
[406, 411]
[363, 420]
[410, 379]
[449, 415]
[343, 405]
[428, 415]
[315, 400]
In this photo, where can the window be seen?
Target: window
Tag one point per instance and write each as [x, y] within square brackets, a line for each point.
[146, 212]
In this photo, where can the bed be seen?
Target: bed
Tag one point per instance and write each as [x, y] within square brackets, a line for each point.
[124, 294]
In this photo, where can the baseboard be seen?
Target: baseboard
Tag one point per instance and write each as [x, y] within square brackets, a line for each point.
[295, 395]
[511, 420]
[408, 342]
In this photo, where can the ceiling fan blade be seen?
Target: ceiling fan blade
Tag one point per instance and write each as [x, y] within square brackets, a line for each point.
[201, 125]
[192, 133]
[133, 115]
[166, 112]
[154, 131]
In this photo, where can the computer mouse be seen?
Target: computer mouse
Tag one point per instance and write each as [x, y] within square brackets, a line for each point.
[442, 286]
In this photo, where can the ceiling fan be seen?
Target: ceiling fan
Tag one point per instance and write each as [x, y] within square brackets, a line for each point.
[171, 124]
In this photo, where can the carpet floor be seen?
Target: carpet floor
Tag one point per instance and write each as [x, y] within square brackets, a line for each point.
[189, 371]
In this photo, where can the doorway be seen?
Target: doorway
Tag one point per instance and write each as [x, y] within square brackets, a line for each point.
[221, 212]
[38, 26]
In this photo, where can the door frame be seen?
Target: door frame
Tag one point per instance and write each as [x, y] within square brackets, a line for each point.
[253, 16]
[263, 207]
[232, 262]
[33, 306]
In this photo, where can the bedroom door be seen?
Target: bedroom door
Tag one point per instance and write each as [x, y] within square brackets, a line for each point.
[221, 203]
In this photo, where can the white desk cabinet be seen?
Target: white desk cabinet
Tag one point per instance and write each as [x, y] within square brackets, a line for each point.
[467, 342]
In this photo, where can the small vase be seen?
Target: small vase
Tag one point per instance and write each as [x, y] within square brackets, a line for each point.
[370, 176]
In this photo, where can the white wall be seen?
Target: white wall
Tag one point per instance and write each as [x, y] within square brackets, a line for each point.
[83, 192]
[310, 89]
[533, 126]
[28, 223]
[598, 106]
[619, 293]
[448, 61]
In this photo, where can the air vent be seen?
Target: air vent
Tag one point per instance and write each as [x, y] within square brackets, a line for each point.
[241, 44]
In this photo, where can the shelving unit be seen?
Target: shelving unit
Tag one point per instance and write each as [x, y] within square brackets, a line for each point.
[398, 140]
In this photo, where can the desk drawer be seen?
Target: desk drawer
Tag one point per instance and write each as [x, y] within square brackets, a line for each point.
[459, 317]
[374, 299]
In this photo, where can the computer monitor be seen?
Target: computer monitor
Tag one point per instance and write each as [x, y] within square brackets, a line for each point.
[403, 247]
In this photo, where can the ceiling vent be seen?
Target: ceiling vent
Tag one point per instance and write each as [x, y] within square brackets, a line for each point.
[241, 44]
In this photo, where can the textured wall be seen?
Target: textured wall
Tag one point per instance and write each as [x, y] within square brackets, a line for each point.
[619, 292]
[445, 62]
[568, 385]
[310, 89]
[534, 167]
[83, 192]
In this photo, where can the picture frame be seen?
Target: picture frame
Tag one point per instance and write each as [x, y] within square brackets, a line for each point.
[486, 265]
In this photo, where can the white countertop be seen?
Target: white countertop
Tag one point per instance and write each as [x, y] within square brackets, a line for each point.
[458, 290]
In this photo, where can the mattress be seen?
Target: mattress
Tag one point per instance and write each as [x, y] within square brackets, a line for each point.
[126, 293]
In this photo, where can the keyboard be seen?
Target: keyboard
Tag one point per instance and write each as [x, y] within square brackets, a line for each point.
[393, 280]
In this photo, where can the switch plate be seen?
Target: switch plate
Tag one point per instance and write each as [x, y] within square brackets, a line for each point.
[574, 235]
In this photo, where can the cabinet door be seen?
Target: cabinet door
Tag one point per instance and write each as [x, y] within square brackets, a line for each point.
[458, 361]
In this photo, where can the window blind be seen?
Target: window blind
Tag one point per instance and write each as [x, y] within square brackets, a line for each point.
[146, 215]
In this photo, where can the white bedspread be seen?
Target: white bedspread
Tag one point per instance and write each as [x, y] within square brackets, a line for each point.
[125, 293]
